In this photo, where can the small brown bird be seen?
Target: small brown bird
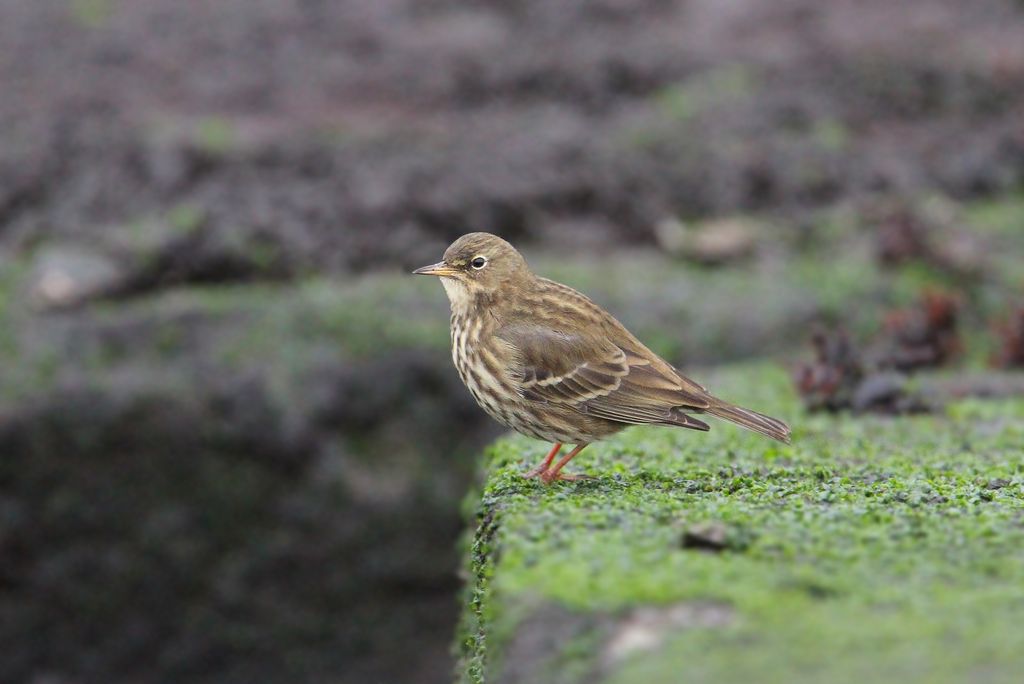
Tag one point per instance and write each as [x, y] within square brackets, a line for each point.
[546, 361]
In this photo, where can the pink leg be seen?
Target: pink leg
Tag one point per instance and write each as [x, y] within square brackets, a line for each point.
[555, 473]
[547, 461]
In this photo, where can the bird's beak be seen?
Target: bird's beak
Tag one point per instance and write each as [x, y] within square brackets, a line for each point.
[439, 269]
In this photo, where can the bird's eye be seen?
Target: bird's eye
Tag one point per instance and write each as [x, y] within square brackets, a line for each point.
[478, 262]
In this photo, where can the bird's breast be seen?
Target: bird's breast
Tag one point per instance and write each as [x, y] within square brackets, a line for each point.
[481, 362]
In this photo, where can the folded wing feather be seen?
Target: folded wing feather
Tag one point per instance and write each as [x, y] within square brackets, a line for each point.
[600, 378]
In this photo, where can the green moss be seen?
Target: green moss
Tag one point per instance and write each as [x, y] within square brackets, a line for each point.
[688, 99]
[186, 218]
[92, 14]
[874, 549]
[831, 135]
[279, 327]
[358, 319]
[1000, 223]
[216, 134]
[1002, 216]
[10, 274]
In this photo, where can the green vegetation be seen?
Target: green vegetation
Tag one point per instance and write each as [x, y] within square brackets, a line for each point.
[872, 549]
[831, 135]
[91, 14]
[185, 218]
[1003, 216]
[714, 88]
[216, 134]
[1000, 223]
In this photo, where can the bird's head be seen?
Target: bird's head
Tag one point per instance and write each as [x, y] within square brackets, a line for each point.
[476, 266]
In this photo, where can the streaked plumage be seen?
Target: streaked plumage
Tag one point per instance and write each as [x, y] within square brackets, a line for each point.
[543, 359]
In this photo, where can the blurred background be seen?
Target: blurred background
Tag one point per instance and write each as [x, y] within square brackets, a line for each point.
[232, 445]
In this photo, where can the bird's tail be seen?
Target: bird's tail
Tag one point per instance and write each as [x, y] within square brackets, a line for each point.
[752, 420]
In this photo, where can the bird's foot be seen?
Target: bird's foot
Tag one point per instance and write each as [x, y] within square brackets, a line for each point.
[535, 472]
[546, 463]
[549, 476]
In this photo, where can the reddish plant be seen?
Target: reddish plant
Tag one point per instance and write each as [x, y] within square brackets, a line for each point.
[925, 336]
[901, 237]
[828, 382]
[1011, 336]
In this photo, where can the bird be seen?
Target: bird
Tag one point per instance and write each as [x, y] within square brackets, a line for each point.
[546, 361]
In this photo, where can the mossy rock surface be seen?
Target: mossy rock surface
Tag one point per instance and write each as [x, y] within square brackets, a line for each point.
[872, 549]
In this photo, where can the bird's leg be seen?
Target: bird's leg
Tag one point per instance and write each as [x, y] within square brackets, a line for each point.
[547, 461]
[555, 473]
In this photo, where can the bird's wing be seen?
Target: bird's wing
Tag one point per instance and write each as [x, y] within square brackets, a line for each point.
[600, 378]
